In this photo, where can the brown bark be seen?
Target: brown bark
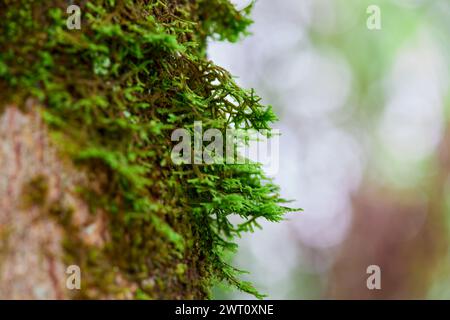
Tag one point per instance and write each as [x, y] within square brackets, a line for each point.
[34, 178]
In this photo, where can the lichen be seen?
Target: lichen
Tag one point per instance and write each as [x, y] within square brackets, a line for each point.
[113, 92]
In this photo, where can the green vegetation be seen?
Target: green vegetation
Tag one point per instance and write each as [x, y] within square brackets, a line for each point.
[112, 93]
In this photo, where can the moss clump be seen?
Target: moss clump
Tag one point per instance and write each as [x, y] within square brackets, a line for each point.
[114, 91]
[34, 193]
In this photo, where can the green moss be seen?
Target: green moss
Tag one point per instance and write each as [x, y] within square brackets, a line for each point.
[5, 242]
[34, 193]
[61, 213]
[113, 92]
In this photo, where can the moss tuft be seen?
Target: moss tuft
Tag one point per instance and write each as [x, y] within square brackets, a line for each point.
[34, 193]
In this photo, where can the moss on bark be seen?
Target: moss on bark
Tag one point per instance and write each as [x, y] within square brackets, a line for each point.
[113, 92]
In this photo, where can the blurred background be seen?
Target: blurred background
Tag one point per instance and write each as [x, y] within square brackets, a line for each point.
[365, 147]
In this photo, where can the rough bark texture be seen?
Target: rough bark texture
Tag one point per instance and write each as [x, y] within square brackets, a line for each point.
[35, 182]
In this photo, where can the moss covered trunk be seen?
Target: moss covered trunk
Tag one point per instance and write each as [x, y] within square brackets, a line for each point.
[86, 176]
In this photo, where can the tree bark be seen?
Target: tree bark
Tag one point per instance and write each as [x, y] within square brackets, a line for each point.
[35, 180]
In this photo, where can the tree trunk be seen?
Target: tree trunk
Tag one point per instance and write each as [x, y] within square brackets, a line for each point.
[87, 182]
[36, 185]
